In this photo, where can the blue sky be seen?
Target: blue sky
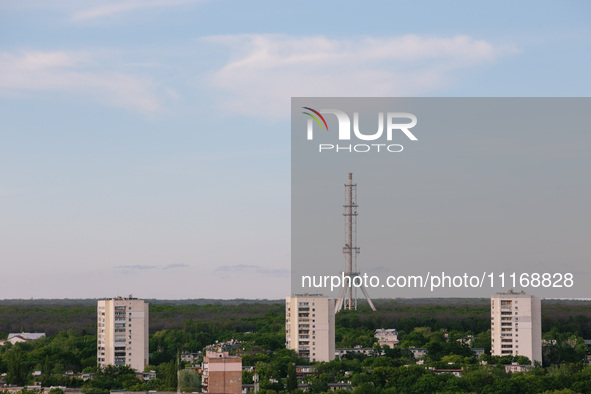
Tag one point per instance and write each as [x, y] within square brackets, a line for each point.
[145, 144]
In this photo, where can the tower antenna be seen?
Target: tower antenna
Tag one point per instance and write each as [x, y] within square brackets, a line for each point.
[348, 293]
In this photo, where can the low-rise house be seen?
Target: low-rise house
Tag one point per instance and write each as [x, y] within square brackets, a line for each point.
[387, 337]
[302, 370]
[77, 375]
[514, 367]
[418, 352]
[454, 371]
[478, 351]
[357, 349]
[146, 376]
[24, 337]
[190, 357]
[339, 386]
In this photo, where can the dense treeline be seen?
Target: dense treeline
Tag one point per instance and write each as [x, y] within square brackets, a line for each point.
[467, 314]
[50, 318]
[53, 316]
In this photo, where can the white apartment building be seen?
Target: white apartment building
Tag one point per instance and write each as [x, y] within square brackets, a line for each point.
[309, 326]
[122, 332]
[516, 325]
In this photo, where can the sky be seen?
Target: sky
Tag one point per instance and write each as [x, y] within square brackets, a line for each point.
[145, 144]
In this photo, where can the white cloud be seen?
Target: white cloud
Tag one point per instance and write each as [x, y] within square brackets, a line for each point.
[114, 8]
[266, 70]
[78, 73]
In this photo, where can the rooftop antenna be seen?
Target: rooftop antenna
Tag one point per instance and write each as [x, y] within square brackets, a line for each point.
[348, 293]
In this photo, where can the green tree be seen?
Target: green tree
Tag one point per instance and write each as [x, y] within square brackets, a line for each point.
[189, 380]
[46, 367]
[365, 388]
[168, 373]
[18, 373]
[292, 379]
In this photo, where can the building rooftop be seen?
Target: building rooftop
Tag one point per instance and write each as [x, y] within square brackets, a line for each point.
[309, 295]
[28, 336]
[119, 298]
[513, 294]
[386, 331]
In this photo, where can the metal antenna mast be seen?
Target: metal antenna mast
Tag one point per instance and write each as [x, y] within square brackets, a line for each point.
[348, 294]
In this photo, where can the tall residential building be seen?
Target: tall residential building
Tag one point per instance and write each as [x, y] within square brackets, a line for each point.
[309, 326]
[222, 373]
[122, 332]
[516, 325]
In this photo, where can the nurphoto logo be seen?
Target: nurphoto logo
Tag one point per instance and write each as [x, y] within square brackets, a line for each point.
[393, 125]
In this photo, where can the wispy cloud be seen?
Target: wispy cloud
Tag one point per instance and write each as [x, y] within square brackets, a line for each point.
[79, 73]
[139, 267]
[266, 70]
[277, 272]
[174, 266]
[114, 8]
